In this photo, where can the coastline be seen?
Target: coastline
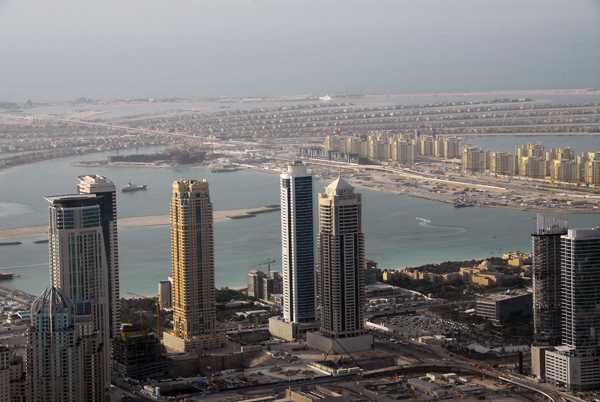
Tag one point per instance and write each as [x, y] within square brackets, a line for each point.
[136, 222]
[571, 91]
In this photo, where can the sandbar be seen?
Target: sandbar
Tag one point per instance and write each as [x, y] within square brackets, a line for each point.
[130, 223]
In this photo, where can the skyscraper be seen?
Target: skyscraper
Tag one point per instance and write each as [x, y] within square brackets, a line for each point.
[341, 261]
[192, 245]
[297, 244]
[576, 363]
[64, 352]
[546, 246]
[78, 259]
[104, 187]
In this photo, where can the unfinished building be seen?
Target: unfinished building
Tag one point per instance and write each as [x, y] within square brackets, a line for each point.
[547, 279]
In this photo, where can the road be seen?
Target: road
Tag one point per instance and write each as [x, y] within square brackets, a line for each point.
[21, 297]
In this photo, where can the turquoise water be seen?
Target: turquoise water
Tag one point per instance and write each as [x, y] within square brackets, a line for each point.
[394, 236]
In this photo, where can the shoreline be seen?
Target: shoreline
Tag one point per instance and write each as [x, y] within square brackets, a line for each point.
[138, 222]
[287, 98]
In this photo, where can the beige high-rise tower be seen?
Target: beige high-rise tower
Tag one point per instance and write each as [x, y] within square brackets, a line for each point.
[192, 244]
[341, 274]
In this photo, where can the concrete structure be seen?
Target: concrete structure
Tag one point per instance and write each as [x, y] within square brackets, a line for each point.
[538, 360]
[64, 352]
[592, 173]
[136, 355]
[297, 244]
[107, 201]
[77, 259]
[370, 272]
[255, 284]
[192, 242]
[314, 393]
[533, 167]
[475, 160]
[546, 276]
[324, 343]
[165, 293]
[503, 307]
[289, 331]
[576, 363]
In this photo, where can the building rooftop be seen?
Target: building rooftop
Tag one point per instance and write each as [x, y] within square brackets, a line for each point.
[340, 184]
[506, 296]
[94, 178]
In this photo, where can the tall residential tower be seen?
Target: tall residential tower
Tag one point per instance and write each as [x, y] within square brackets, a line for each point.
[78, 259]
[104, 187]
[341, 261]
[297, 244]
[64, 352]
[192, 246]
[576, 363]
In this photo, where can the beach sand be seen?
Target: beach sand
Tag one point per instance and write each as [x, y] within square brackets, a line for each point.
[124, 223]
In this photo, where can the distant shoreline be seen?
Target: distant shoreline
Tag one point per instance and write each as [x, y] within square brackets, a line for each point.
[300, 98]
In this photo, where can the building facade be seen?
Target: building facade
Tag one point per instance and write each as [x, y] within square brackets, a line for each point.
[255, 284]
[105, 189]
[503, 307]
[78, 259]
[546, 274]
[297, 244]
[576, 363]
[64, 352]
[341, 251]
[192, 247]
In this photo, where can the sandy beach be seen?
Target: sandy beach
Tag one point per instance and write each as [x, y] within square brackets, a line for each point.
[130, 223]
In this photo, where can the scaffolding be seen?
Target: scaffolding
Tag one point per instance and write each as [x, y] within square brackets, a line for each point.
[546, 270]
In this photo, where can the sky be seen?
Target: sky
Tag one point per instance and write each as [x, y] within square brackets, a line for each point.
[62, 49]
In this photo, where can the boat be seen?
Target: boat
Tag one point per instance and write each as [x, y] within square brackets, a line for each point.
[132, 187]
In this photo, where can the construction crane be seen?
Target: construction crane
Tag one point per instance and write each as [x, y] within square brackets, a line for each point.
[158, 303]
[268, 264]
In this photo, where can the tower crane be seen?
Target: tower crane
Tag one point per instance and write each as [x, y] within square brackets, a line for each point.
[158, 303]
[268, 264]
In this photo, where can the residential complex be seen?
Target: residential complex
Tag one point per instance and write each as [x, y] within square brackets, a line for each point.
[192, 244]
[78, 259]
[105, 189]
[64, 352]
[397, 148]
[533, 161]
[297, 244]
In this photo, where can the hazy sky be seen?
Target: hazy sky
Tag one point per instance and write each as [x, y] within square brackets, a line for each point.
[62, 49]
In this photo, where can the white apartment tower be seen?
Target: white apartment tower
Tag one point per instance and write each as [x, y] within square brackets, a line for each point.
[104, 187]
[297, 244]
[78, 262]
[341, 261]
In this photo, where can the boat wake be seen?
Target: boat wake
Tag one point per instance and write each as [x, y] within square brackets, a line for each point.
[426, 223]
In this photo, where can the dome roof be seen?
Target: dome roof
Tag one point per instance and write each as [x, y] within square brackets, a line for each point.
[52, 301]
